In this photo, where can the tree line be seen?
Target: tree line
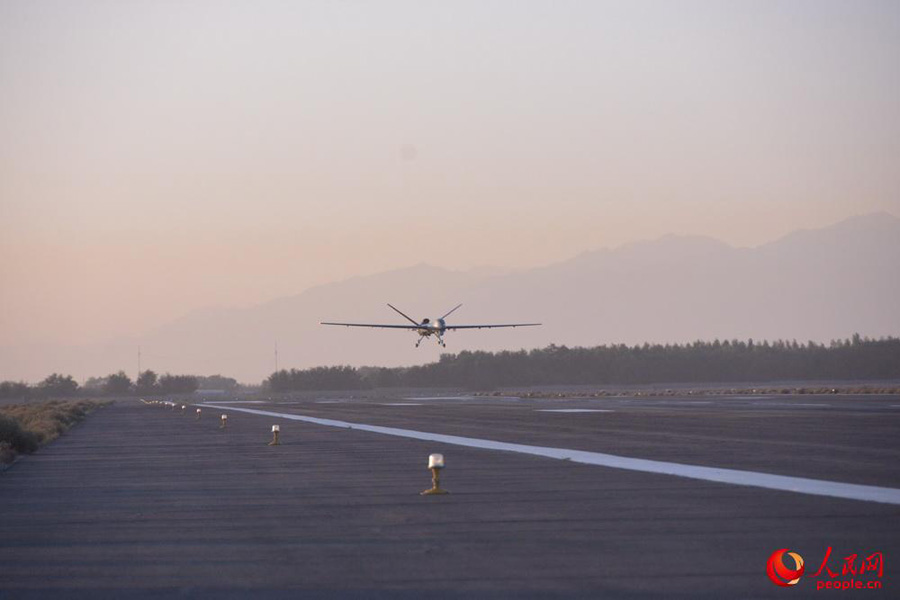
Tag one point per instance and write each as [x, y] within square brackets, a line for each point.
[115, 384]
[698, 362]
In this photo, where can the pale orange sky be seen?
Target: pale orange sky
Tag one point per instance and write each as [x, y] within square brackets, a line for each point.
[160, 157]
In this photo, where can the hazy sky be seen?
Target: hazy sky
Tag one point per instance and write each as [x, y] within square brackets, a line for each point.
[157, 157]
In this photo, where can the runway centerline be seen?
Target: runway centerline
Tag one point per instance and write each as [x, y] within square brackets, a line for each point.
[574, 410]
[800, 485]
[790, 404]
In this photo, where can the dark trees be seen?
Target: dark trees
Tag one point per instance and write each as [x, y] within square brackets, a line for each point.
[697, 362]
[146, 383]
[56, 386]
[117, 384]
[178, 384]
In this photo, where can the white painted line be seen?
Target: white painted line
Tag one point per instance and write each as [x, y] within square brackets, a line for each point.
[684, 402]
[572, 410]
[241, 402]
[330, 401]
[789, 404]
[402, 404]
[800, 485]
[442, 398]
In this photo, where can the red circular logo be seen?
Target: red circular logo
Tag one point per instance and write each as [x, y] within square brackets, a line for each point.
[779, 573]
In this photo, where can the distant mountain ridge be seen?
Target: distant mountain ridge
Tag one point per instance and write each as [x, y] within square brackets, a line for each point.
[809, 285]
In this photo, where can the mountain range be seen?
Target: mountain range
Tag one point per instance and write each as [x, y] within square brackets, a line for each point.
[809, 285]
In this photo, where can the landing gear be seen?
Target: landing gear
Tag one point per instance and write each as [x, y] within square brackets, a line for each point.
[440, 340]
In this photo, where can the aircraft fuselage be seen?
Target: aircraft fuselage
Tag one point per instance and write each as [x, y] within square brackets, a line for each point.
[429, 327]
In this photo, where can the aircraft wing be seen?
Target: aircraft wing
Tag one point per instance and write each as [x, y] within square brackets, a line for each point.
[373, 325]
[448, 327]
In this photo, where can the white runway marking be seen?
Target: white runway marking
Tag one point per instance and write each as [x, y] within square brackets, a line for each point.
[442, 398]
[801, 485]
[402, 404]
[684, 401]
[572, 410]
[789, 404]
[240, 401]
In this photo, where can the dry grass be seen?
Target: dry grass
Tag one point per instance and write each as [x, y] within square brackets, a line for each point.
[26, 427]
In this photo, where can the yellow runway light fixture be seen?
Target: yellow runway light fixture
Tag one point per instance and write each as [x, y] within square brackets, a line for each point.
[275, 431]
[224, 424]
[436, 464]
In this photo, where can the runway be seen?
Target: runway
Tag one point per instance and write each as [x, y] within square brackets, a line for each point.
[735, 477]
[146, 500]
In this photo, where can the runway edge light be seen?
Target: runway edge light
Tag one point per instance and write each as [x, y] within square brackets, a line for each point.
[436, 464]
[198, 414]
[275, 431]
[224, 424]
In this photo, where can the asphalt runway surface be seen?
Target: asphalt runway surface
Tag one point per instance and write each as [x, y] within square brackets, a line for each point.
[142, 501]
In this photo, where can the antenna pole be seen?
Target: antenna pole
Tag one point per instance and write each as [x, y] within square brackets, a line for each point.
[276, 356]
[139, 364]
